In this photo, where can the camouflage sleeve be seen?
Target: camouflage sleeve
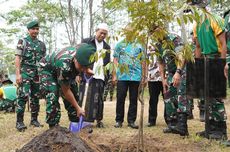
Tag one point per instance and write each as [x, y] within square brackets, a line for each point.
[64, 77]
[19, 48]
[65, 73]
[43, 47]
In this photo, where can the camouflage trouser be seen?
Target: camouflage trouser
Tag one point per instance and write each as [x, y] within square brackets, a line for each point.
[175, 98]
[217, 110]
[7, 105]
[51, 90]
[109, 88]
[28, 90]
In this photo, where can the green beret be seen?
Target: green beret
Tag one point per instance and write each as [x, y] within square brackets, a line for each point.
[7, 81]
[83, 54]
[32, 24]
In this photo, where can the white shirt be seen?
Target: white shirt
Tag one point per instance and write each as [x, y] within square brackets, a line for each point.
[154, 71]
[98, 65]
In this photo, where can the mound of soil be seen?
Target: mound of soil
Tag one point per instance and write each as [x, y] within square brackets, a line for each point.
[57, 139]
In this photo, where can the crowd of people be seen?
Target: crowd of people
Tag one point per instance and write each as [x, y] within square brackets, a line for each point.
[64, 74]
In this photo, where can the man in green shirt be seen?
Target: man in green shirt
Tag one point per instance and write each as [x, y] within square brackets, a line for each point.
[8, 96]
[211, 43]
[227, 26]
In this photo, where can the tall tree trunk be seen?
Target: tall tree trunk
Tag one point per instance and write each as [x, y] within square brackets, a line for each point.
[70, 10]
[103, 11]
[65, 21]
[90, 18]
[81, 18]
[183, 29]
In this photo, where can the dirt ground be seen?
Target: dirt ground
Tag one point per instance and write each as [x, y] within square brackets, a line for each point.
[109, 138]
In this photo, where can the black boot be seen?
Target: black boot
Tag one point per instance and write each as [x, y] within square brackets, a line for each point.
[181, 127]
[171, 123]
[20, 126]
[219, 132]
[34, 121]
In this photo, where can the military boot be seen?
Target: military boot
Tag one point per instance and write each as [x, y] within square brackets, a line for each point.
[211, 129]
[34, 121]
[20, 126]
[181, 127]
[171, 123]
[219, 132]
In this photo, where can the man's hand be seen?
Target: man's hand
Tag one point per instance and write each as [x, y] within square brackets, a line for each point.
[89, 72]
[18, 79]
[176, 79]
[80, 112]
[114, 80]
[144, 81]
[165, 85]
[226, 71]
[78, 79]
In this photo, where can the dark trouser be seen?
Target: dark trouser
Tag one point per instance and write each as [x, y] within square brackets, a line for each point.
[94, 105]
[122, 88]
[154, 91]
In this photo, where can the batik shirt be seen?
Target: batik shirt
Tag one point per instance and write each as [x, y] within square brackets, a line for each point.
[127, 54]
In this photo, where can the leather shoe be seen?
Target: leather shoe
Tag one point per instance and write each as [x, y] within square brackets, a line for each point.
[132, 125]
[118, 125]
[100, 125]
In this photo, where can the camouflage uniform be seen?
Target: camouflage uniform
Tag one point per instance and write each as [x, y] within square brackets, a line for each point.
[55, 70]
[176, 103]
[207, 33]
[175, 98]
[31, 51]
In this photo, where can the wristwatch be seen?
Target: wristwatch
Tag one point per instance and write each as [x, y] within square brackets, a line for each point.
[179, 71]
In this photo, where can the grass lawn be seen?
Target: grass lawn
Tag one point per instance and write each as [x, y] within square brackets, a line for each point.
[118, 139]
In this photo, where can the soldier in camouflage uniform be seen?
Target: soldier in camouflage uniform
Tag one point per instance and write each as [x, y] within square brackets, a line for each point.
[57, 72]
[176, 103]
[227, 26]
[29, 52]
[211, 43]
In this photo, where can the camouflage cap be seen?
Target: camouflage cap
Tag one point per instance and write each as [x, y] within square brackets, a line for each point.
[32, 24]
[83, 54]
